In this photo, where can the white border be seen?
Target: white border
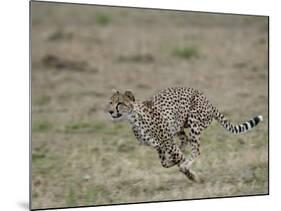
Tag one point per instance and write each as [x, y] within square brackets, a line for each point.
[14, 92]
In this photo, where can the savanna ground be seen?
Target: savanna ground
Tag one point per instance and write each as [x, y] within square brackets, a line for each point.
[79, 53]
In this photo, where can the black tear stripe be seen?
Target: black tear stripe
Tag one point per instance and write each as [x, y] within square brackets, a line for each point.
[252, 123]
[245, 125]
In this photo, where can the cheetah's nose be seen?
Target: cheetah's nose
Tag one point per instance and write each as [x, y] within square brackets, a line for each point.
[111, 112]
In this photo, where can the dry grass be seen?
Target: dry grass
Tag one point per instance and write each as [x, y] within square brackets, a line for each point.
[80, 157]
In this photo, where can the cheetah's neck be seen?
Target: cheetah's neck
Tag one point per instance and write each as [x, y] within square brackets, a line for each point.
[139, 110]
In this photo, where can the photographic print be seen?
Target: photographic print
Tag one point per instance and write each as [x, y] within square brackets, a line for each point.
[134, 105]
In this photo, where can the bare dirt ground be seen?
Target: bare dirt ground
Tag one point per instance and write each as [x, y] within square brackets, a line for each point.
[79, 53]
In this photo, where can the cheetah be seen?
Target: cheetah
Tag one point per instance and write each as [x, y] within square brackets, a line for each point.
[156, 122]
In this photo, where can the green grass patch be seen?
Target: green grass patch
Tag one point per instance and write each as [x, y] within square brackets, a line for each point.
[95, 193]
[80, 126]
[103, 19]
[71, 198]
[99, 126]
[137, 58]
[42, 100]
[186, 52]
[96, 127]
[37, 156]
[60, 35]
[45, 163]
[41, 126]
[126, 147]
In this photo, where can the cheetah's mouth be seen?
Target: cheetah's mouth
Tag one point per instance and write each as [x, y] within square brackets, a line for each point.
[118, 115]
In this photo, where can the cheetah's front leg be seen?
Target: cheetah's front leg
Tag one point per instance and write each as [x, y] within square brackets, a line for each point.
[184, 142]
[170, 155]
[185, 164]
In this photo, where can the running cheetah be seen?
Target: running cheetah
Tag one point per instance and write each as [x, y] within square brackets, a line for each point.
[158, 120]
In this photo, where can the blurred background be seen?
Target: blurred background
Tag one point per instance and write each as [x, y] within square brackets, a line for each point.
[79, 53]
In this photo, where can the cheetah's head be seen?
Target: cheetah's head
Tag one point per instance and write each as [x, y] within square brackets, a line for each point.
[120, 105]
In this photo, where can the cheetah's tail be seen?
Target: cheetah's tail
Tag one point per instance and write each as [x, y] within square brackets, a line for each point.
[240, 128]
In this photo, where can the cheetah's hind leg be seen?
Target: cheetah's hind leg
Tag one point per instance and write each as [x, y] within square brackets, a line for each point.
[185, 164]
[193, 176]
[188, 172]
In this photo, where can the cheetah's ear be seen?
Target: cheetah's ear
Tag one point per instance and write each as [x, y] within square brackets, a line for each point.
[114, 91]
[130, 95]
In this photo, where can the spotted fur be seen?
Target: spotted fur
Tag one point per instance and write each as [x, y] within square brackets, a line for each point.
[157, 121]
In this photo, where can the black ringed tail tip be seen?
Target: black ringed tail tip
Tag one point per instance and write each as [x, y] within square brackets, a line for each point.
[246, 126]
[240, 128]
